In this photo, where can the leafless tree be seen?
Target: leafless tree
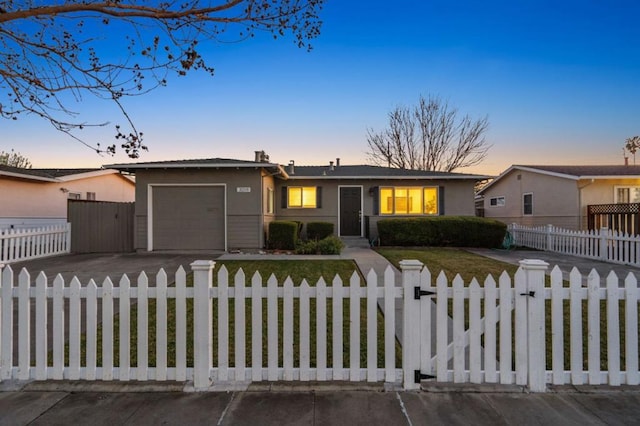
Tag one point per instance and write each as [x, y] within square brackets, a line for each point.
[429, 136]
[52, 53]
[14, 159]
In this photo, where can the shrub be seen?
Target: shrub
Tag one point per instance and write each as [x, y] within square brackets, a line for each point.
[307, 247]
[330, 245]
[319, 230]
[283, 235]
[456, 231]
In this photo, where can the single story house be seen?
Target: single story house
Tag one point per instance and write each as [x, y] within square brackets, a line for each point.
[33, 197]
[565, 196]
[226, 204]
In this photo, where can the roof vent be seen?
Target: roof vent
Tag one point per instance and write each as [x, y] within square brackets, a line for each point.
[337, 162]
[331, 165]
[291, 169]
[261, 157]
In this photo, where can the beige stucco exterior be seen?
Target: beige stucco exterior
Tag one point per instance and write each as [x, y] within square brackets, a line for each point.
[557, 200]
[27, 201]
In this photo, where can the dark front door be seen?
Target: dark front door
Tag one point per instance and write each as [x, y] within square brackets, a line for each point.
[350, 213]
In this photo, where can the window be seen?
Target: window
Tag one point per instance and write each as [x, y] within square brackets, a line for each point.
[91, 196]
[409, 200]
[302, 197]
[527, 204]
[74, 196]
[270, 200]
[627, 194]
[496, 202]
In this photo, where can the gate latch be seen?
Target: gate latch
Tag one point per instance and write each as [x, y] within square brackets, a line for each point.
[529, 294]
[417, 293]
[418, 376]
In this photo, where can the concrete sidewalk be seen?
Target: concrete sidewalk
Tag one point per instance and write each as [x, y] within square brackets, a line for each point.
[44, 403]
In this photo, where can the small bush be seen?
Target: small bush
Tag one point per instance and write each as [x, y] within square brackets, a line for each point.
[307, 247]
[330, 245]
[319, 230]
[283, 235]
[454, 231]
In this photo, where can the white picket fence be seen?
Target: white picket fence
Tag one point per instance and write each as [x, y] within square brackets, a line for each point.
[284, 332]
[604, 244]
[23, 244]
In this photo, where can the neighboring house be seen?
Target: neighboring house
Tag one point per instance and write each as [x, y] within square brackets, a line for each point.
[561, 195]
[224, 204]
[32, 197]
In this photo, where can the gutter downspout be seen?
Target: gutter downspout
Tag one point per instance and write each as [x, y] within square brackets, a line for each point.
[580, 188]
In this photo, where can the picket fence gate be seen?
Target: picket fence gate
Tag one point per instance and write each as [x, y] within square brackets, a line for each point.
[24, 244]
[604, 244]
[296, 341]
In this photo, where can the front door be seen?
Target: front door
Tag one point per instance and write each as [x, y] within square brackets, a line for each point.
[351, 211]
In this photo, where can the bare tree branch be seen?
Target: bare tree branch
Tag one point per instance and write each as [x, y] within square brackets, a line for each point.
[54, 53]
[429, 136]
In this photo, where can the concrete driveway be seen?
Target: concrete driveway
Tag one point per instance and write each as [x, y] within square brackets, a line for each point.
[100, 265]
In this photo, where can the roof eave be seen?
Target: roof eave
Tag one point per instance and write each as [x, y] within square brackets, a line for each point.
[28, 177]
[407, 177]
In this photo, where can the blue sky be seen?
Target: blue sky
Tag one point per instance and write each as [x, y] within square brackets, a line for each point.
[557, 80]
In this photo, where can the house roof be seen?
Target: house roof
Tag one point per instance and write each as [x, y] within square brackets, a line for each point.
[371, 172]
[574, 172]
[52, 175]
[192, 164]
[300, 172]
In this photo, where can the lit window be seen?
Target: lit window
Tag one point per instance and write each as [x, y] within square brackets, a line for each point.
[302, 197]
[409, 200]
[627, 194]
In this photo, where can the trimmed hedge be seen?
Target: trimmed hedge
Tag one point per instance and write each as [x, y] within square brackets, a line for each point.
[283, 235]
[453, 231]
[329, 245]
[319, 230]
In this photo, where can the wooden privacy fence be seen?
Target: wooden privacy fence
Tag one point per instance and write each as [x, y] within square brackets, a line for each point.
[243, 331]
[101, 226]
[23, 244]
[604, 244]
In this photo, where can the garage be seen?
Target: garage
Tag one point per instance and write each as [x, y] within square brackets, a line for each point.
[187, 217]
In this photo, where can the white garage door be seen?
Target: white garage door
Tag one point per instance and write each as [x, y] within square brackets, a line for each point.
[188, 218]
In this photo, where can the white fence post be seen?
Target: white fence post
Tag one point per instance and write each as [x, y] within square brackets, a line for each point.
[202, 323]
[549, 240]
[536, 355]
[604, 252]
[411, 323]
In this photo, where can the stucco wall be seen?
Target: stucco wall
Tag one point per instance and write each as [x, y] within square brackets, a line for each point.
[45, 202]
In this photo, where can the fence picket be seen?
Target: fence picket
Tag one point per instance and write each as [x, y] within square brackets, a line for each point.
[161, 325]
[613, 330]
[287, 329]
[390, 326]
[475, 351]
[575, 330]
[25, 244]
[458, 330]
[305, 332]
[272, 328]
[354, 328]
[6, 324]
[75, 319]
[490, 321]
[321, 330]
[557, 327]
[41, 327]
[107, 329]
[58, 328]
[337, 317]
[520, 325]
[181, 324]
[631, 329]
[124, 312]
[256, 327]
[593, 327]
[372, 326]
[239, 313]
[24, 325]
[223, 324]
[442, 337]
[506, 306]
[91, 331]
[143, 327]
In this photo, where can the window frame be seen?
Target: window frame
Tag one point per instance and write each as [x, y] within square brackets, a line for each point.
[271, 201]
[616, 188]
[91, 196]
[524, 205]
[409, 190]
[497, 199]
[302, 198]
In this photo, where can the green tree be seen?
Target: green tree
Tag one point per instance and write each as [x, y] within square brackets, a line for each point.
[51, 52]
[429, 136]
[14, 159]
